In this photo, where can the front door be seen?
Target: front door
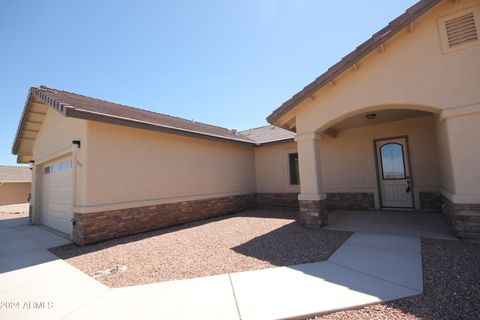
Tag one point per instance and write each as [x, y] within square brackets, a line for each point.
[394, 173]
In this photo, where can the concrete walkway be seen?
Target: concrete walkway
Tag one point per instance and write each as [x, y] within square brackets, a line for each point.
[14, 208]
[368, 268]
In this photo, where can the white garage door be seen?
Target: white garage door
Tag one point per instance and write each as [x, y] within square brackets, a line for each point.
[57, 195]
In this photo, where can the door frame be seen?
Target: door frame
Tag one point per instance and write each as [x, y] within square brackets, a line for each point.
[377, 172]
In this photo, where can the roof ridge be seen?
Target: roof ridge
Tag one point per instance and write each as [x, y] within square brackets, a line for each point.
[43, 87]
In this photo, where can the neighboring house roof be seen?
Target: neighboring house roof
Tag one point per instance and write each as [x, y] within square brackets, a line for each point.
[268, 134]
[82, 107]
[379, 38]
[15, 174]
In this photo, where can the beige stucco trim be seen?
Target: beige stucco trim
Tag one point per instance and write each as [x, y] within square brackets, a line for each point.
[312, 196]
[460, 111]
[153, 202]
[461, 198]
[307, 136]
[61, 153]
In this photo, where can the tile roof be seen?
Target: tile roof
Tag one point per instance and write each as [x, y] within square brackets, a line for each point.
[15, 174]
[75, 104]
[268, 134]
[396, 25]
[79, 106]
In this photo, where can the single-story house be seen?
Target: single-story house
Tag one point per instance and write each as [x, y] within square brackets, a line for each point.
[394, 124]
[15, 184]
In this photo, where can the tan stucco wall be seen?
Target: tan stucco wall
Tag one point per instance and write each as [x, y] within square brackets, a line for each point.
[271, 168]
[129, 167]
[348, 161]
[54, 140]
[412, 71]
[11, 193]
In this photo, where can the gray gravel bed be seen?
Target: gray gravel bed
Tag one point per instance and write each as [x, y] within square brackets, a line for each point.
[451, 281]
[255, 239]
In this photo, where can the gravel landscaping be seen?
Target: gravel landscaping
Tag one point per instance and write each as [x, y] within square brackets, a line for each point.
[451, 277]
[255, 239]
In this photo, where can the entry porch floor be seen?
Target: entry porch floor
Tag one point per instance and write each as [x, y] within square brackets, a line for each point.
[408, 223]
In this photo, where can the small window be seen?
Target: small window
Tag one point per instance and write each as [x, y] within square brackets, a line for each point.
[46, 170]
[393, 161]
[293, 168]
[55, 168]
[65, 165]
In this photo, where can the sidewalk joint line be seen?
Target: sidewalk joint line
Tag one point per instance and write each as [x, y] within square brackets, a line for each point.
[234, 296]
[85, 304]
[376, 277]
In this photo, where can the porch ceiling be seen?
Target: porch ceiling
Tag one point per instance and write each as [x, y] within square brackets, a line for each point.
[381, 116]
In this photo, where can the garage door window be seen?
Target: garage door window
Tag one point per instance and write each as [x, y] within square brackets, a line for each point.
[59, 166]
[54, 168]
[65, 165]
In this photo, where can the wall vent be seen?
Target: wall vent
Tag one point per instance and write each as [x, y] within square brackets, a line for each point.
[461, 30]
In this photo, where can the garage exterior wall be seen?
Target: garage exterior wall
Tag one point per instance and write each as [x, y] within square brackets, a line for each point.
[141, 180]
[130, 167]
[11, 193]
[54, 141]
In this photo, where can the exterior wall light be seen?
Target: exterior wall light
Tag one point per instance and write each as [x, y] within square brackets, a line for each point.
[76, 144]
[371, 116]
[31, 163]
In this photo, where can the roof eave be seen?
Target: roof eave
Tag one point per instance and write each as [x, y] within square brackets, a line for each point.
[21, 123]
[278, 141]
[100, 117]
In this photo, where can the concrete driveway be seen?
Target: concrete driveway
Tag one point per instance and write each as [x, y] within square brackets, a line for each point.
[368, 268]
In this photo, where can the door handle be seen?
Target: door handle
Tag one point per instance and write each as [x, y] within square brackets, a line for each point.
[408, 185]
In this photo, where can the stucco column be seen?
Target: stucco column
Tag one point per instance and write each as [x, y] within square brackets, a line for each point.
[313, 211]
[459, 144]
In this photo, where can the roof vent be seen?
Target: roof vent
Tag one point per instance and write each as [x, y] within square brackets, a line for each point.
[461, 30]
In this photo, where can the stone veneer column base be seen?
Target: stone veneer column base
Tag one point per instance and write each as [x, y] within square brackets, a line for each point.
[93, 227]
[313, 213]
[464, 219]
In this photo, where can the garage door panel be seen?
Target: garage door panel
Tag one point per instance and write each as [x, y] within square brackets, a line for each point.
[57, 196]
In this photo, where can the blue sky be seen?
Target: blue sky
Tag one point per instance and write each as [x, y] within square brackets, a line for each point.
[228, 63]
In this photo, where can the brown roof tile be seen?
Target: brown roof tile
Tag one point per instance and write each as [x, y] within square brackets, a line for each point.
[75, 105]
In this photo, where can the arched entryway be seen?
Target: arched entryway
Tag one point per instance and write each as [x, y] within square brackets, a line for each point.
[376, 157]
